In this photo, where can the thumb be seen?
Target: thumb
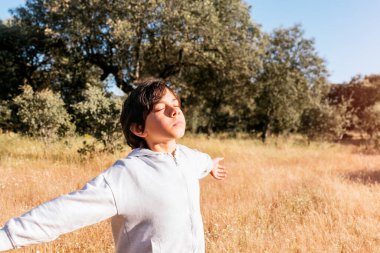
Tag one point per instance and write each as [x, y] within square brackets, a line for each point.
[218, 159]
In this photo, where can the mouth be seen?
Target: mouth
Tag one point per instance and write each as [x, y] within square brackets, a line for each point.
[178, 123]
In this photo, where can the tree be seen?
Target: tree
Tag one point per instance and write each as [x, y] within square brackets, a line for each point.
[20, 57]
[30, 56]
[207, 48]
[293, 79]
[216, 62]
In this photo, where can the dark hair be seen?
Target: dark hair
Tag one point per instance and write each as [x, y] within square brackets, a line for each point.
[138, 105]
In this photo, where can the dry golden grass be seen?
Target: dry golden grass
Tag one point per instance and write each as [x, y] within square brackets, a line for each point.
[279, 197]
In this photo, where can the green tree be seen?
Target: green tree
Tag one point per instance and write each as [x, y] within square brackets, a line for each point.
[209, 49]
[215, 62]
[20, 58]
[293, 79]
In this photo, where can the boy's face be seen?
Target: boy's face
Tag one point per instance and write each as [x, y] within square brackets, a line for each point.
[166, 121]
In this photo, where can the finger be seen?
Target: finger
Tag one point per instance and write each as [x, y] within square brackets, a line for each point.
[221, 170]
[222, 177]
[221, 173]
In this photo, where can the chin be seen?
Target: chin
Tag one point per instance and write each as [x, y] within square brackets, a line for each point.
[180, 134]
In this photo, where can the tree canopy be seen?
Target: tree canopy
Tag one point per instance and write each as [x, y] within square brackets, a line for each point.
[293, 78]
[230, 75]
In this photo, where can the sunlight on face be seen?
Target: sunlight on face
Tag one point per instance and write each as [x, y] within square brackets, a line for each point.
[166, 121]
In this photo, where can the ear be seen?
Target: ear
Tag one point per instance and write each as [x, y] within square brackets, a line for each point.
[137, 130]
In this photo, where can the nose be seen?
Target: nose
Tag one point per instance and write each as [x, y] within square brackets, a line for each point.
[175, 111]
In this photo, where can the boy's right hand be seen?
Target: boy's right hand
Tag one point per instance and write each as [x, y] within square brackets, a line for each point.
[218, 171]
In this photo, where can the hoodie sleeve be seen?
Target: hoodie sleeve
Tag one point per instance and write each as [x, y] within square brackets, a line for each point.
[203, 163]
[92, 204]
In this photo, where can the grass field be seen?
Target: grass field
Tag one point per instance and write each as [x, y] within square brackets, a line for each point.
[280, 197]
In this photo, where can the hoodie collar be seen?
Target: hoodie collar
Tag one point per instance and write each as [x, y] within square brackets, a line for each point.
[147, 152]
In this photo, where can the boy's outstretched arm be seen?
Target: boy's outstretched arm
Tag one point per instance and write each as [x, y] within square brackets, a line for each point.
[218, 170]
[92, 204]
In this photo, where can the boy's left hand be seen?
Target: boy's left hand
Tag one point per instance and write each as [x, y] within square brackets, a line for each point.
[218, 171]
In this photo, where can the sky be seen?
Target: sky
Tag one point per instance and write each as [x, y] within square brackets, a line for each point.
[346, 32]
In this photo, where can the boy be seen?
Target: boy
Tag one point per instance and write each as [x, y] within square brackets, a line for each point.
[152, 195]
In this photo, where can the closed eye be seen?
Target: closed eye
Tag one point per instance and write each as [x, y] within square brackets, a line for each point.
[158, 109]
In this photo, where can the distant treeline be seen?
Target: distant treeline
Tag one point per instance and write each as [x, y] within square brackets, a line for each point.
[58, 57]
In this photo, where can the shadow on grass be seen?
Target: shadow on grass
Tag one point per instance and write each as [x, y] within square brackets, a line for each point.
[367, 177]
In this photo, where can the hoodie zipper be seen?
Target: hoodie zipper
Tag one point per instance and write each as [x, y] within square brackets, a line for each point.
[188, 199]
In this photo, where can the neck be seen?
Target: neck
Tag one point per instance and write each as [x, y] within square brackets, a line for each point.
[166, 147]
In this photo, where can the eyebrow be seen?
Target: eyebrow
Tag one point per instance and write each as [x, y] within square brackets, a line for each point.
[174, 99]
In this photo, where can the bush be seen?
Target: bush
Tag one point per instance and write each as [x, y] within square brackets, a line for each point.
[370, 124]
[323, 121]
[98, 115]
[42, 114]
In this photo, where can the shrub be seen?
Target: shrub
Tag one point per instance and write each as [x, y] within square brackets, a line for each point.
[370, 124]
[98, 115]
[323, 121]
[42, 114]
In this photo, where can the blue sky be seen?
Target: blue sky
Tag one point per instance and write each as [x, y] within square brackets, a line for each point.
[346, 32]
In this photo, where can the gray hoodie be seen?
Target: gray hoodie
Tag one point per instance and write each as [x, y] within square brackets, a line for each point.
[152, 197]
